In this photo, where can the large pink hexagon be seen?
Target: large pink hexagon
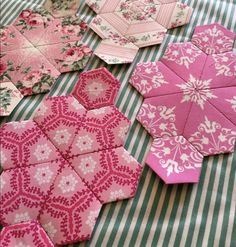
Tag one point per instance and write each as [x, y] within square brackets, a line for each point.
[190, 95]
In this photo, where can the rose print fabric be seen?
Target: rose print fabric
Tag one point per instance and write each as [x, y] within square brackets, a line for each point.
[38, 47]
[189, 103]
[60, 167]
[126, 25]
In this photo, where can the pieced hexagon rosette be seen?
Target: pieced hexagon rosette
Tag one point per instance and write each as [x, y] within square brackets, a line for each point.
[37, 48]
[60, 167]
[189, 103]
[127, 25]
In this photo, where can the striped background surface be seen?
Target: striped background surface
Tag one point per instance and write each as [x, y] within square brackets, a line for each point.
[159, 215]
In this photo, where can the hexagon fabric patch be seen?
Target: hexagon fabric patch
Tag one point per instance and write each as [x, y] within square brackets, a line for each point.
[60, 167]
[26, 234]
[10, 96]
[36, 48]
[126, 25]
[189, 103]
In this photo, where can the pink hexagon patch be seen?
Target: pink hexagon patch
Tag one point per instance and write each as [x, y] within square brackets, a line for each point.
[189, 102]
[26, 234]
[60, 167]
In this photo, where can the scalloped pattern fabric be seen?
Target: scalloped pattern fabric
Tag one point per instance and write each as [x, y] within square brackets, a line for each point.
[189, 102]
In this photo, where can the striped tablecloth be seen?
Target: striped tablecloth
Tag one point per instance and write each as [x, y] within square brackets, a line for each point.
[185, 215]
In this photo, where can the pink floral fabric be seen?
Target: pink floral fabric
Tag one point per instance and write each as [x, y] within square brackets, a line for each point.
[126, 24]
[27, 234]
[189, 103]
[45, 48]
[60, 167]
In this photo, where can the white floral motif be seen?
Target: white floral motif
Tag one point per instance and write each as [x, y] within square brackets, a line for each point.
[43, 175]
[123, 132]
[23, 217]
[127, 157]
[87, 165]
[62, 136]
[212, 40]
[67, 183]
[211, 138]
[84, 143]
[177, 147]
[21, 244]
[99, 111]
[95, 88]
[116, 195]
[92, 217]
[42, 110]
[42, 152]
[196, 91]
[182, 53]
[3, 157]
[77, 105]
[50, 229]
[147, 77]
[232, 102]
[19, 125]
[2, 183]
[158, 120]
[225, 64]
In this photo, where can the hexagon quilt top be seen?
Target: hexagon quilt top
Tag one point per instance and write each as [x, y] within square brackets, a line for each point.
[36, 48]
[126, 25]
[189, 103]
[60, 167]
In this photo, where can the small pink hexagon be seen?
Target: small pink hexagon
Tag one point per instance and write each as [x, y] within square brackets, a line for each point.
[213, 38]
[175, 160]
[96, 88]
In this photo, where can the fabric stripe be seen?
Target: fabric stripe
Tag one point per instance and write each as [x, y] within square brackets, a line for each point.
[159, 215]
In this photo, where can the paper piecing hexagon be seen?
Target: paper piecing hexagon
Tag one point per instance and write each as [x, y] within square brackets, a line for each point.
[60, 167]
[189, 103]
[61, 8]
[28, 234]
[36, 48]
[10, 96]
[127, 25]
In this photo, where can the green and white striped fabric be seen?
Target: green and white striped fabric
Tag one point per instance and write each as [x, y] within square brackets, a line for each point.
[203, 214]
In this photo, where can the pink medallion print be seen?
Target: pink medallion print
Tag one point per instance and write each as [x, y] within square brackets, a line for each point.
[27, 234]
[189, 99]
[36, 48]
[60, 167]
[117, 24]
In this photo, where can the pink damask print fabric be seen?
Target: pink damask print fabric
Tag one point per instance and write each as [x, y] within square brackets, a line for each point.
[189, 105]
[60, 167]
[36, 48]
[127, 25]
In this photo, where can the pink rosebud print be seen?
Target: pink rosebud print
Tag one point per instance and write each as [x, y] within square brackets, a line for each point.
[32, 78]
[25, 14]
[74, 54]
[3, 34]
[35, 20]
[86, 49]
[3, 68]
[83, 25]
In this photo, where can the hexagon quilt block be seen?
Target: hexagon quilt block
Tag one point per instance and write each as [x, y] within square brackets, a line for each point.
[27, 234]
[189, 103]
[37, 48]
[10, 96]
[60, 167]
[117, 23]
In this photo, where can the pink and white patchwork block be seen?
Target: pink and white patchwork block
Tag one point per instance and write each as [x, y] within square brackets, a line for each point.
[128, 24]
[60, 167]
[25, 234]
[189, 101]
[37, 48]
